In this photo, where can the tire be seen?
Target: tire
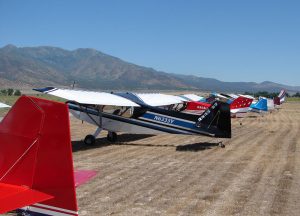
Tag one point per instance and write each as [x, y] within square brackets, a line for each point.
[89, 140]
[112, 137]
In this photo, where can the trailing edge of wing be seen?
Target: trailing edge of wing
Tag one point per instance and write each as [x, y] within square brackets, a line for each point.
[157, 99]
[13, 197]
[88, 97]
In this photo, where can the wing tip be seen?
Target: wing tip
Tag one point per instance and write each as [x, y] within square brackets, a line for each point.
[44, 90]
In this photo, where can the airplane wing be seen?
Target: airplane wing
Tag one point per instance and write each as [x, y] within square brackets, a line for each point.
[247, 96]
[89, 97]
[193, 97]
[2, 105]
[157, 99]
[234, 96]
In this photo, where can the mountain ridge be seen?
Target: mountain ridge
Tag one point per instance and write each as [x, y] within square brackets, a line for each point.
[93, 69]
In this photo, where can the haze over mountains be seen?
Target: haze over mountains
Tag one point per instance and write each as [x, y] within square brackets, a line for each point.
[91, 69]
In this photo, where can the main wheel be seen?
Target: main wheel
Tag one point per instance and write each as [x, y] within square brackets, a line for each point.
[112, 137]
[221, 145]
[89, 140]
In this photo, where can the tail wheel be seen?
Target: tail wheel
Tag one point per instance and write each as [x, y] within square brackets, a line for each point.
[89, 140]
[112, 136]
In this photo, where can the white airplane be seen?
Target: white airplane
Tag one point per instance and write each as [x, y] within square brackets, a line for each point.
[142, 114]
[2, 105]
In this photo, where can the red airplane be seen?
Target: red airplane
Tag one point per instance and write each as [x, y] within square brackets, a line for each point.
[238, 106]
[36, 167]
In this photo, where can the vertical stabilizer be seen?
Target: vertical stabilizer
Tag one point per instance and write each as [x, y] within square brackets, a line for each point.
[36, 154]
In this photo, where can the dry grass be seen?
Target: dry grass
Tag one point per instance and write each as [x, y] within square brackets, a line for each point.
[256, 174]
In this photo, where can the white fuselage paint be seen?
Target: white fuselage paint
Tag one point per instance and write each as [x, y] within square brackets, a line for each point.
[117, 126]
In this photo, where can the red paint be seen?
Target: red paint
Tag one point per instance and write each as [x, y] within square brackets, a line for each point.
[196, 105]
[36, 153]
[241, 102]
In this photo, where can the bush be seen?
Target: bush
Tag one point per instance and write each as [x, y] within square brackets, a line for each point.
[17, 93]
[297, 94]
[10, 92]
[3, 92]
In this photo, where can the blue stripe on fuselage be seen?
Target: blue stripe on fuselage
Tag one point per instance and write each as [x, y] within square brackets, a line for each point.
[168, 120]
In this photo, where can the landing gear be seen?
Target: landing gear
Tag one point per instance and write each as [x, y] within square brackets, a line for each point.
[112, 136]
[221, 145]
[89, 140]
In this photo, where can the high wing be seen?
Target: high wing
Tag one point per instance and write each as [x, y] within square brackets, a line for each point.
[15, 196]
[158, 99]
[2, 105]
[89, 97]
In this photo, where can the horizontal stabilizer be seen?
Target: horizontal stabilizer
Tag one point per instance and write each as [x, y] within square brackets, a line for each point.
[13, 197]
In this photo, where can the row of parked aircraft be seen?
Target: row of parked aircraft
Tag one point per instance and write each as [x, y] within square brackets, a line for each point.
[142, 113]
[36, 131]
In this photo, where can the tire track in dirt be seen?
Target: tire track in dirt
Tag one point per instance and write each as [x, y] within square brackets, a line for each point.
[286, 178]
[244, 187]
[261, 201]
[186, 179]
[225, 180]
[209, 173]
[187, 175]
[153, 190]
[132, 177]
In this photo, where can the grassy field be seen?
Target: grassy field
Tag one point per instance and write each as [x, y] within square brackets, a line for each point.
[293, 99]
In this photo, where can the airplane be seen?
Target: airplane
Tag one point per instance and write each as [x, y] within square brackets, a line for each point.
[36, 166]
[2, 105]
[136, 114]
[239, 105]
[280, 99]
[260, 106]
[270, 104]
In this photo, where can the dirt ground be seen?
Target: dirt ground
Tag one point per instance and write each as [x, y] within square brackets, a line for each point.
[258, 173]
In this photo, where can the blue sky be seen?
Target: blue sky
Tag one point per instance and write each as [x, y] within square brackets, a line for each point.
[231, 40]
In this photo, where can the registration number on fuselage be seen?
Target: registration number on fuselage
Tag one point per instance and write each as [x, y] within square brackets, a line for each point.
[164, 119]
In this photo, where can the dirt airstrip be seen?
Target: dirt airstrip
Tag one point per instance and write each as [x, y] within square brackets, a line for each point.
[258, 173]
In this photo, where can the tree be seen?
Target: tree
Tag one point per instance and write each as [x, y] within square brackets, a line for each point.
[297, 94]
[17, 93]
[10, 92]
[3, 92]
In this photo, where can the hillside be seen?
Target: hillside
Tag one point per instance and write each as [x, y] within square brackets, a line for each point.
[51, 66]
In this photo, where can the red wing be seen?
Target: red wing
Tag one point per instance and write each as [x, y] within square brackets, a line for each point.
[13, 197]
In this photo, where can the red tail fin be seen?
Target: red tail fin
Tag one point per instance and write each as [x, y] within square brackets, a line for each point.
[241, 102]
[276, 100]
[36, 154]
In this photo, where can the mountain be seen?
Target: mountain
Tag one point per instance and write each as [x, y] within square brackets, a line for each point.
[92, 69]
